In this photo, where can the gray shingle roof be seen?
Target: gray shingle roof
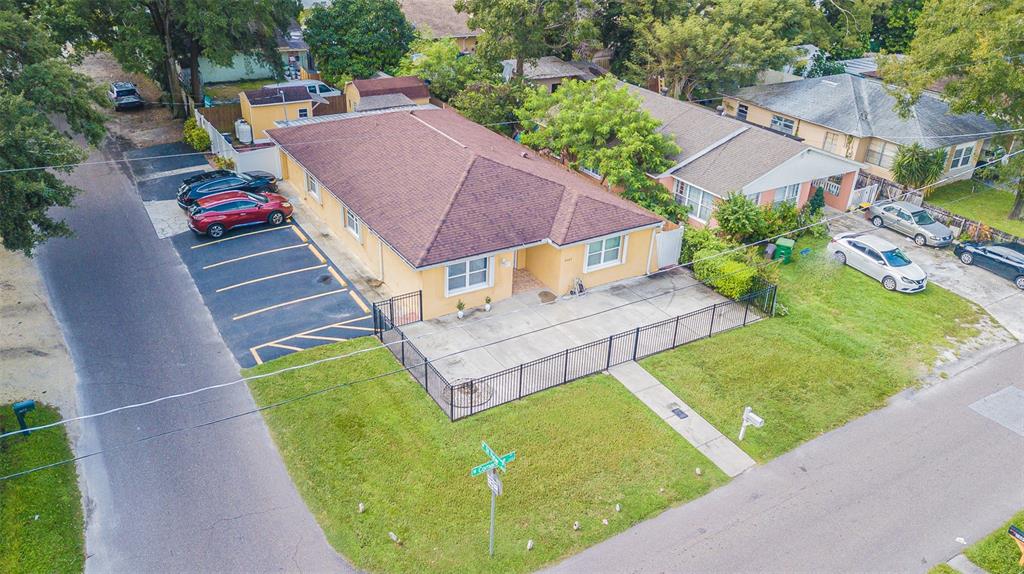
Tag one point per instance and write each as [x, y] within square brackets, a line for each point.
[265, 96]
[862, 107]
[439, 16]
[548, 67]
[721, 154]
[383, 101]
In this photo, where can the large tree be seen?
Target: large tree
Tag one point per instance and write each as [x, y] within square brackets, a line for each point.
[978, 53]
[602, 128]
[723, 44]
[444, 68]
[357, 38]
[493, 105]
[525, 30]
[42, 103]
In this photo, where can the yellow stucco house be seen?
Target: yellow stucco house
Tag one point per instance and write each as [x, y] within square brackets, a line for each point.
[262, 107]
[430, 201]
[854, 117]
[383, 93]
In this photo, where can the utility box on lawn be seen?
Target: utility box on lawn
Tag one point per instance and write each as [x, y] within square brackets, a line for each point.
[784, 249]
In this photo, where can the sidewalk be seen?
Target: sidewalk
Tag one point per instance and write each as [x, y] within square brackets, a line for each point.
[697, 431]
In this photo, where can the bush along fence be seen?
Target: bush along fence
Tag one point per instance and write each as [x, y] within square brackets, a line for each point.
[464, 398]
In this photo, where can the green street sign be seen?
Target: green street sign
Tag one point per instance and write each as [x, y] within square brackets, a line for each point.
[482, 468]
[496, 461]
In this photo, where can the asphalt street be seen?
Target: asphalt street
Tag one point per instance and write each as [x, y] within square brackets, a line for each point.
[213, 499]
[889, 492]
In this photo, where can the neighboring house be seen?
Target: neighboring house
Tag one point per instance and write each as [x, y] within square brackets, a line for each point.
[854, 117]
[551, 71]
[721, 156]
[430, 201]
[386, 92]
[294, 57]
[262, 107]
[438, 19]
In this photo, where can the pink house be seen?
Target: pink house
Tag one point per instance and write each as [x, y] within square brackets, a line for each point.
[721, 156]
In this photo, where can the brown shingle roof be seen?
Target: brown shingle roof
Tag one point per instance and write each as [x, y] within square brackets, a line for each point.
[411, 86]
[438, 187]
[439, 16]
[264, 96]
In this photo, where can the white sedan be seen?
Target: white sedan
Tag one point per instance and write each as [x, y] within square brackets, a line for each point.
[877, 258]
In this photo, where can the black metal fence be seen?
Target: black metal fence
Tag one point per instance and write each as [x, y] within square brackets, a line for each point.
[397, 311]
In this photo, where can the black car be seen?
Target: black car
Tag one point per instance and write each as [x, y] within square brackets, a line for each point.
[205, 176]
[1003, 259]
[251, 181]
[124, 96]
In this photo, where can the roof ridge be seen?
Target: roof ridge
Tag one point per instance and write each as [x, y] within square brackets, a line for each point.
[451, 203]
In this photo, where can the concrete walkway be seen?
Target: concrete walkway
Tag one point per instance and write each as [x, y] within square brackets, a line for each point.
[962, 564]
[697, 431]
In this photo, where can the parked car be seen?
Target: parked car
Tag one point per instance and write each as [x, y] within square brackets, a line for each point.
[877, 258]
[911, 220]
[215, 214]
[1003, 259]
[125, 96]
[205, 176]
[253, 181]
[313, 86]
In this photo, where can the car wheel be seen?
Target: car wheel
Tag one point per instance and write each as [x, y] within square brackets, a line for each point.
[276, 218]
[1019, 281]
[840, 257]
[966, 258]
[216, 230]
[920, 240]
[889, 283]
[876, 221]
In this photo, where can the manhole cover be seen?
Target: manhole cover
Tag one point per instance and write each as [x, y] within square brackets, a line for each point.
[546, 296]
[467, 393]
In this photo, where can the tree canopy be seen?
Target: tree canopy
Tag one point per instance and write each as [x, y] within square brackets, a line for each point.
[357, 38]
[37, 84]
[440, 64]
[978, 53]
[915, 166]
[493, 105]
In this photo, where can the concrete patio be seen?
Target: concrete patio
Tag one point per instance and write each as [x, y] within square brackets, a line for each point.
[522, 328]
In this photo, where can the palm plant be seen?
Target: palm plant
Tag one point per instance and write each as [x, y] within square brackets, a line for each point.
[915, 166]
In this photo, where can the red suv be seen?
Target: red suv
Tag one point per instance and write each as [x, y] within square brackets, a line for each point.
[217, 213]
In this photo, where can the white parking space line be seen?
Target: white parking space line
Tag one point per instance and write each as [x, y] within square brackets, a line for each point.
[250, 256]
[286, 303]
[239, 236]
[268, 277]
[170, 172]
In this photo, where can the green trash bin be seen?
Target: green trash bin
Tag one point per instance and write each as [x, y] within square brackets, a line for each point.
[784, 250]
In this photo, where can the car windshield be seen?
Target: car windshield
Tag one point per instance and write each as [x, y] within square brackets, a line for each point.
[896, 258]
[125, 93]
[246, 177]
[923, 218]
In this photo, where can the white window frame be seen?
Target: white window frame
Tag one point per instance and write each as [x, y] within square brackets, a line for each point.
[881, 153]
[684, 194]
[741, 111]
[313, 187]
[590, 172]
[787, 194]
[353, 224]
[779, 124]
[603, 249]
[960, 159]
[488, 272]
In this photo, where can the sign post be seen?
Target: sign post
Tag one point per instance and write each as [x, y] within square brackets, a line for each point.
[491, 467]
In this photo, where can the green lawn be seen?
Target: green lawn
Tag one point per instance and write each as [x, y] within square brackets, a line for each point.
[846, 345]
[230, 91]
[41, 524]
[997, 552]
[581, 449]
[943, 569]
[980, 202]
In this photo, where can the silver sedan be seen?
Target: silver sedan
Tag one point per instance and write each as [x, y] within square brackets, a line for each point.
[911, 220]
[879, 259]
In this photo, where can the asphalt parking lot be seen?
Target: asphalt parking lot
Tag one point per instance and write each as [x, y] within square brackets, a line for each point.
[271, 292]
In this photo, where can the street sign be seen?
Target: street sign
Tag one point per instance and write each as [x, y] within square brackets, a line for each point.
[494, 482]
[491, 467]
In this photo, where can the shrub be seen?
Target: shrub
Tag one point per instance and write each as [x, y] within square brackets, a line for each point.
[195, 136]
[740, 218]
[224, 162]
[779, 219]
[695, 240]
[727, 274]
[817, 201]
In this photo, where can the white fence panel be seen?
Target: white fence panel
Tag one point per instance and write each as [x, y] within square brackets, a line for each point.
[670, 245]
[262, 159]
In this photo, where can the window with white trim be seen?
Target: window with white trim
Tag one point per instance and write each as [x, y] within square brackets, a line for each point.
[313, 187]
[700, 202]
[789, 194]
[353, 223]
[741, 111]
[881, 153]
[467, 275]
[604, 253]
[782, 124]
[962, 155]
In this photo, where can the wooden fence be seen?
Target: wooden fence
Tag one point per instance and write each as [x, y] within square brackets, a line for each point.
[334, 105]
[222, 117]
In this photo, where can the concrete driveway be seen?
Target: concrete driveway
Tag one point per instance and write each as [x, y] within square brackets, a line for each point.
[995, 294]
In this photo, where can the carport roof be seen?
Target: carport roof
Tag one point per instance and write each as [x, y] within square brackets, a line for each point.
[438, 187]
